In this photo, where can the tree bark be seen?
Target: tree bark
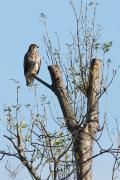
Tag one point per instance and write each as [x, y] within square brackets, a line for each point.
[62, 95]
[83, 135]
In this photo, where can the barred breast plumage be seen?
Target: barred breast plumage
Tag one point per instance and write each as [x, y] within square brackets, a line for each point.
[32, 62]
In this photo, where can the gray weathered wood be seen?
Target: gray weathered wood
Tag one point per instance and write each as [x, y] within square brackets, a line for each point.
[83, 135]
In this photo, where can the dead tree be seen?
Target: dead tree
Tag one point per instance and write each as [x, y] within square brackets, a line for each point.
[83, 134]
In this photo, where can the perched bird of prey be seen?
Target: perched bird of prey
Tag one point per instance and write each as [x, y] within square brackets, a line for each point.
[32, 64]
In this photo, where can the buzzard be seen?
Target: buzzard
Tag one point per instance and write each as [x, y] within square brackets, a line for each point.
[32, 64]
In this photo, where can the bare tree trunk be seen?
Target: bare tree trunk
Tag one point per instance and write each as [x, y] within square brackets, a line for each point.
[83, 135]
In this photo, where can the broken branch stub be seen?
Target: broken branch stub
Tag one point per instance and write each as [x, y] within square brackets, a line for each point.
[93, 95]
[61, 92]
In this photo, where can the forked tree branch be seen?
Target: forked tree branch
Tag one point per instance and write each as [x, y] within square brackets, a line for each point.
[60, 91]
[82, 135]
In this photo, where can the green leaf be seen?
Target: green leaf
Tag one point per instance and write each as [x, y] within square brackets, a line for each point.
[107, 46]
[97, 46]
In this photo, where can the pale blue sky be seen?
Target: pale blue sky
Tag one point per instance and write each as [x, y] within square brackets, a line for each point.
[20, 26]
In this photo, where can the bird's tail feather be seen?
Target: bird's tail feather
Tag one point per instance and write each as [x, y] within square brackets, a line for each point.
[29, 81]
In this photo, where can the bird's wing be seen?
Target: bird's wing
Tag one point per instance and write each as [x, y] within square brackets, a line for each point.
[26, 64]
[39, 64]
